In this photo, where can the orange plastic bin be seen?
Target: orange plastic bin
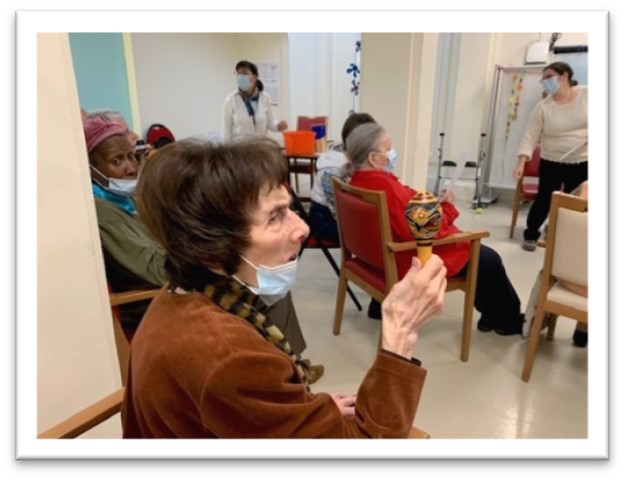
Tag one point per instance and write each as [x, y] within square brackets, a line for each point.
[299, 142]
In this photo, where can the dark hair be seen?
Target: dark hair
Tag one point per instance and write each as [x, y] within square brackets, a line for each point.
[196, 198]
[352, 122]
[252, 68]
[561, 68]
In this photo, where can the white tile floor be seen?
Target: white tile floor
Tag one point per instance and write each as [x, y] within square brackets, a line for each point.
[484, 398]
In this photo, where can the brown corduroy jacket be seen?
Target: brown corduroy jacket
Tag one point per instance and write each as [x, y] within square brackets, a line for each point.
[199, 372]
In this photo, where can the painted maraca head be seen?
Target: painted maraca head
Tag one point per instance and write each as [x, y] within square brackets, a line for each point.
[424, 216]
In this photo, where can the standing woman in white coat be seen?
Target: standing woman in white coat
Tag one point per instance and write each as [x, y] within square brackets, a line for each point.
[247, 112]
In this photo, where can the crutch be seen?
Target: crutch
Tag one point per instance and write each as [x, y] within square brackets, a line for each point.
[440, 164]
[479, 184]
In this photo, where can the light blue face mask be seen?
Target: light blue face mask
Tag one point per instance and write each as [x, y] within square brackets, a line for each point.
[551, 85]
[119, 186]
[273, 282]
[243, 82]
[392, 160]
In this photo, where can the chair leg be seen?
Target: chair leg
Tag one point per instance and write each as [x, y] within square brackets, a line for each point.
[515, 211]
[335, 267]
[469, 299]
[467, 324]
[551, 329]
[340, 304]
[533, 343]
[296, 182]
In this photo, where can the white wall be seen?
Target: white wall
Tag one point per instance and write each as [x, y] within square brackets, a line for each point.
[397, 89]
[183, 78]
[76, 356]
[320, 84]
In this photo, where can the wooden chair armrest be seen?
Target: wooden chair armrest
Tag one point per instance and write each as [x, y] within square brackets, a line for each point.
[87, 418]
[454, 238]
[130, 296]
[401, 246]
[462, 237]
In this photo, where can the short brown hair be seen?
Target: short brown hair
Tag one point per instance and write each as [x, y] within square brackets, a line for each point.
[196, 199]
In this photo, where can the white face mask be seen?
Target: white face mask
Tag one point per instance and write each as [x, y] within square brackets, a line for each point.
[273, 282]
[392, 160]
[119, 186]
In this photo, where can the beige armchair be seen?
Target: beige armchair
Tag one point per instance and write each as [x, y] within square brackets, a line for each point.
[565, 264]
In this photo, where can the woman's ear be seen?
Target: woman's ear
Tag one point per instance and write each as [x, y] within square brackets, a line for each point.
[371, 160]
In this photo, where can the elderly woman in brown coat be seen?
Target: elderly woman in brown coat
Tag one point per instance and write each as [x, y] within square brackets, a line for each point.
[206, 361]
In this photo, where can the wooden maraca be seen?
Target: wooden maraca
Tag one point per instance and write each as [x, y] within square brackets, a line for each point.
[424, 216]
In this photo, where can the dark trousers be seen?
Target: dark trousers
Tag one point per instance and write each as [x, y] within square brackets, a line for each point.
[322, 221]
[551, 177]
[495, 297]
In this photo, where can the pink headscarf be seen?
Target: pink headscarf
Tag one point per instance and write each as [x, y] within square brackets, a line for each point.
[97, 130]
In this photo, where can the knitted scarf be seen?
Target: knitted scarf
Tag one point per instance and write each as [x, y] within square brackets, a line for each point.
[234, 298]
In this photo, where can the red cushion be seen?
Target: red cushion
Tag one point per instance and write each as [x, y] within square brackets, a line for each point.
[372, 276]
[360, 230]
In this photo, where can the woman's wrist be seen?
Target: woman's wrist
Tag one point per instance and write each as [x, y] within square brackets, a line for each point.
[401, 344]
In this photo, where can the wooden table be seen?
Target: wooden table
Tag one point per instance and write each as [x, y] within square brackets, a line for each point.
[306, 164]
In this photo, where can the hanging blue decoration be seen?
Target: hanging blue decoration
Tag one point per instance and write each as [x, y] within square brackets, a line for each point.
[353, 69]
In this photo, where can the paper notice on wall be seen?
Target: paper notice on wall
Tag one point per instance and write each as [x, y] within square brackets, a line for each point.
[269, 75]
[463, 158]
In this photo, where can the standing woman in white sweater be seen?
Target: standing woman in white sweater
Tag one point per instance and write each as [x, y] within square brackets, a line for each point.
[247, 112]
[560, 124]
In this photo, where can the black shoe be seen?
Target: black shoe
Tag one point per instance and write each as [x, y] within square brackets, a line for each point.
[580, 339]
[485, 325]
[375, 310]
[506, 329]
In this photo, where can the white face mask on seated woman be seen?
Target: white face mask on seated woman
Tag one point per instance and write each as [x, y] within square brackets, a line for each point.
[273, 282]
[391, 157]
[119, 186]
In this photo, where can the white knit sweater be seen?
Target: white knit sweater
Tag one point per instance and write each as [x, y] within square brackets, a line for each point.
[236, 122]
[558, 128]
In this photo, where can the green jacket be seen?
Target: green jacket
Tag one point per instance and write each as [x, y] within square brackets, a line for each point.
[133, 259]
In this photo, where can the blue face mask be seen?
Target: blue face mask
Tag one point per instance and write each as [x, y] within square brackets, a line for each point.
[273, 282]
[392, 160]
[243, 82]
[551, 85]
[119, 186]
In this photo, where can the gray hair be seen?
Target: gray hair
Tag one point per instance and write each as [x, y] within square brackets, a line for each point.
[363, 140]
[105, 114]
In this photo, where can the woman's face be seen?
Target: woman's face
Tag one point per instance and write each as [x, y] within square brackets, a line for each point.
[549, 73]
[115, 158]
[247, 72]
[379, 158]
[277, 234]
